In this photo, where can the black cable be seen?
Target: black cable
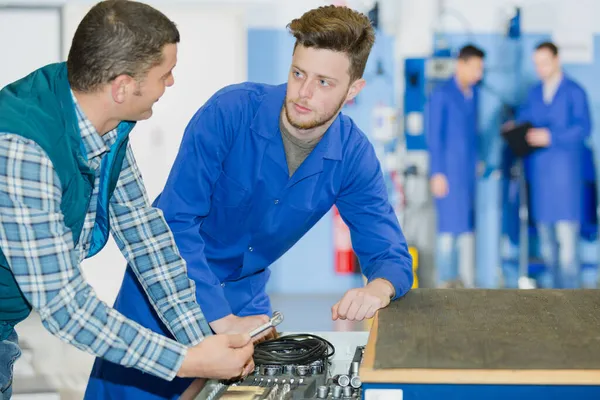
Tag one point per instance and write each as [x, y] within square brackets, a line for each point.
[300, 349]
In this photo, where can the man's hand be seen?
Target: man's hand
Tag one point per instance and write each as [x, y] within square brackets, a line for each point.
[538, 137]
[358, 304]
[234, 324]
[439, 185]
[219, 357]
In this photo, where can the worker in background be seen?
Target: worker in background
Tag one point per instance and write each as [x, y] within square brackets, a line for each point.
[451, 118]
[259, 165]
[557, 107]
[68, 178]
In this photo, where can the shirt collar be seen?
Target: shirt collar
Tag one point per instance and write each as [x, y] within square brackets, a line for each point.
[95, 145]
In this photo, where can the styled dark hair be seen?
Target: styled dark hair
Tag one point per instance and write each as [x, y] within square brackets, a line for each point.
[470, 51]
[117, 37]
[339, 29]
[548, 46]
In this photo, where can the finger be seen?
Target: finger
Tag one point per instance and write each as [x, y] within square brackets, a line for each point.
[249, 368]
[353, 309]
[345, 304]
[334, 311]
[244, 354]
[371, 312]
[362, 312]
[238, 340]
[264, 336]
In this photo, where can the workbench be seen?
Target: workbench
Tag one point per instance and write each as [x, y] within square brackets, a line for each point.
[485, 344]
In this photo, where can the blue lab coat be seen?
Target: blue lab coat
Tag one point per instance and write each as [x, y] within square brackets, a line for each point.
[555, 173]
[234, 210]
[451, 129]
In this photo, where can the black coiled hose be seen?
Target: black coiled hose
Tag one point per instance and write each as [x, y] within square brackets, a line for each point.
[293, 349]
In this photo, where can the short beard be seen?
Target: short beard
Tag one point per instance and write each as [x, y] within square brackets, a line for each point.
[314, 123]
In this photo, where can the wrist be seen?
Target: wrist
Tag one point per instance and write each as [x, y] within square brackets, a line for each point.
[182, 369]
[222, 324]
[384, 287]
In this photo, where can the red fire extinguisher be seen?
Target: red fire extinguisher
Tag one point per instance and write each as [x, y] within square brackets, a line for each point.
[345, 260]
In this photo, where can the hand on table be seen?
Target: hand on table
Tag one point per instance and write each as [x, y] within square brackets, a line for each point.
[358, 304]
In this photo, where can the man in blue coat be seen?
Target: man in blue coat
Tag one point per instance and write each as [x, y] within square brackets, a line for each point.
[259, 165]
[557, 107]
[452, 141]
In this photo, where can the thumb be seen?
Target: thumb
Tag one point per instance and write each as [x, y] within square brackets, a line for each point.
[238, 340]
[334, 311]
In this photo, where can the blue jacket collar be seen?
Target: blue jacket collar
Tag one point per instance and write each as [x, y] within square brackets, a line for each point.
[266, 124]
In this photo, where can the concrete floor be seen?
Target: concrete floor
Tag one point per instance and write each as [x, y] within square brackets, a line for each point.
[53, 366]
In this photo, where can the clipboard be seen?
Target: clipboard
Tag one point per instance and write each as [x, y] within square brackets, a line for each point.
[515, 137]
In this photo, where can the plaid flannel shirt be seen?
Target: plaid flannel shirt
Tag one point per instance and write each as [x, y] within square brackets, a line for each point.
[42, 256]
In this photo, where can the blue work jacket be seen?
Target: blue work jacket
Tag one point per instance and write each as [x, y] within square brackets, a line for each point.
[234, 210]
[555, 173]
[451, 129]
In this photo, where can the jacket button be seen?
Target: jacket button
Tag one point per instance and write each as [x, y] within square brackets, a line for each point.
[251, 248]
[276, 201]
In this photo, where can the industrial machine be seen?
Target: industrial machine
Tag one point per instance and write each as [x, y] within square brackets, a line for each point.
[298, 367]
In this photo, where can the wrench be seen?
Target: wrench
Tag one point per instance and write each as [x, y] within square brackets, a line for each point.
[273, 322]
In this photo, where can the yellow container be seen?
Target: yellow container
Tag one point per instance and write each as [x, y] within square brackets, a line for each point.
[415, 264]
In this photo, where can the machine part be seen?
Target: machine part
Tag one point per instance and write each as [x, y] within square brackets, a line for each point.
[302, 370]
[341, 380]
[354, 368]
[337, 392]
[355, 382]
[298, 349]
[272, 370]
[322, 392]
[288, 369]
[316, 369]
[273, 322]
[347, 391]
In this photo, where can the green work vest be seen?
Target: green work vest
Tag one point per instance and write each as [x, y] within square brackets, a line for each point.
[40, 107]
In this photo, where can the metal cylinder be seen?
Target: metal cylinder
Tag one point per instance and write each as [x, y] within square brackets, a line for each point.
[337, 392]
[347, 391]
[322, 392]
[302, 370]
[354, 368]
[272, 370]
[342, 380]
[288, 369]
[355, 382]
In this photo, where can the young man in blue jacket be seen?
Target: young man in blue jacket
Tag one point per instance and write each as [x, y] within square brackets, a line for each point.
[68, 179]
[259, 165]
[558, 109]
[452, 142]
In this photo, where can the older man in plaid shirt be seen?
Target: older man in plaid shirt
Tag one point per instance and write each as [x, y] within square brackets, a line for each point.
[68, 179]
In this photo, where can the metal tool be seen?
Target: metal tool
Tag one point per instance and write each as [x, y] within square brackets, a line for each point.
[274, 321]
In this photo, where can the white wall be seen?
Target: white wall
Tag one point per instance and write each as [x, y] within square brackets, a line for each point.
[17, 57]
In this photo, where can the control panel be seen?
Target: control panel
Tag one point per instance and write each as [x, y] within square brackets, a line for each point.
[294, 367]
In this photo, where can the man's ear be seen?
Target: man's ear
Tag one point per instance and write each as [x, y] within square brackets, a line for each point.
[355, 89]
[120, 86]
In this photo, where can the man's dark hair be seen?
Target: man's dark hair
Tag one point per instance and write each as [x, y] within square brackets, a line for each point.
[551, 47]
[117, 37]
[339, 29]
[469, 51]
